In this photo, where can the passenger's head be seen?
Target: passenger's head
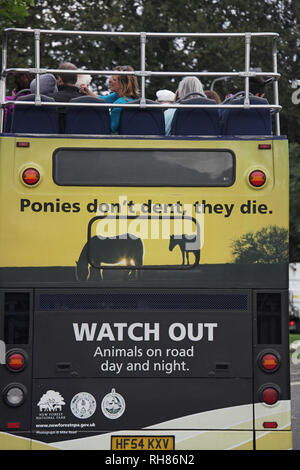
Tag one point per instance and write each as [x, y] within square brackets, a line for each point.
[212, 95]
[165, 96]
[48, 85]
[189, 85]
[22, 80]
[67, 78]
[124, 85]
[257, 86]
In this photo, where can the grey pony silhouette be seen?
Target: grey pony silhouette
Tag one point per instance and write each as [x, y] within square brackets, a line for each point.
[111, 251]
[183, 241]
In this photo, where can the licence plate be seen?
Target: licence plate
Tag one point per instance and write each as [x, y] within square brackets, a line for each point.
[142, 443]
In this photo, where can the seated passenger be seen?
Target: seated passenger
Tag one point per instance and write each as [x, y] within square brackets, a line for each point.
[48, 85]
[187, 86]
[66, 84]
[22, 83]
[124, 88]
[257, 86]
[165, 96]
[213, 95]
[66, 90]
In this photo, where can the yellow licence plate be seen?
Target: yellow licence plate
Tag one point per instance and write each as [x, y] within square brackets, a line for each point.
[142, 442]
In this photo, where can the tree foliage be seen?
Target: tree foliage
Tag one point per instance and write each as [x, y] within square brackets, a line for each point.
[12, 11]
[268, 245]
[208, 16]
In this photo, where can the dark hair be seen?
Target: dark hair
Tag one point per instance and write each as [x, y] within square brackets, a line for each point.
[23, 80]
[68, 77]
[257, 85]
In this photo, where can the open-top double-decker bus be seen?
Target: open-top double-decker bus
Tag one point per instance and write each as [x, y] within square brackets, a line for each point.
[144, 277]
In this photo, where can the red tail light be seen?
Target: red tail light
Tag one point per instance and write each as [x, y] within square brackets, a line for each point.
[270, 395]
[257, 178]
[269, 362]
[264, 146]
[15, 361]
[270, 424]
[31, 176]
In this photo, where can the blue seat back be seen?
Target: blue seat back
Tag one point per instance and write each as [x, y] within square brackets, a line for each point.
[35, 119]
[85, 119]
[247, 121]
[139, 121]
[189, 121]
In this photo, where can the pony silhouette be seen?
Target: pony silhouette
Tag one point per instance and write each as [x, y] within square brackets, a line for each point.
[183, 241]
[122, 248]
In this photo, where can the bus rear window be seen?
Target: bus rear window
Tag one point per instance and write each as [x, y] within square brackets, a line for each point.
[135, 167]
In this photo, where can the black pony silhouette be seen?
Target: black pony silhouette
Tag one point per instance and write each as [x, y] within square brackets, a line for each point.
[183, 241]
[111, 251]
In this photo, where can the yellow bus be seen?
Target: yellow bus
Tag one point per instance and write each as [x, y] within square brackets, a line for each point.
[144, 277]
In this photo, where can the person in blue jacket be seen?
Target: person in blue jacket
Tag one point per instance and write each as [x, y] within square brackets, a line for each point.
[124, 88]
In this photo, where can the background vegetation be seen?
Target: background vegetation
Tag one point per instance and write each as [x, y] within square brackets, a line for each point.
[280, 16]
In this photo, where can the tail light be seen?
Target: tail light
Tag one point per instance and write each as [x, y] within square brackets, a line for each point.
[257, 178]
[270, 424]
[31, 176]
[269, 394]
[15, 361]
[269, 362]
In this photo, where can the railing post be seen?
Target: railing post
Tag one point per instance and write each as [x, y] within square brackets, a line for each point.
[275, 85]
[143, 67]
[247, 66]
[3, 78]
[37, 39]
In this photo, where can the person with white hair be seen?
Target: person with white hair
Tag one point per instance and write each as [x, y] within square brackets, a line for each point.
[165, 96]
[187, 86]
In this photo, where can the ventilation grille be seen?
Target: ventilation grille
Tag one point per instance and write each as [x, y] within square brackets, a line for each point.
[142, 301]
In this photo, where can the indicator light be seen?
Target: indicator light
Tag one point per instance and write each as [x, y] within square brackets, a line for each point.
[15, 361]
[257, 178]
[269, 362]
[31, 176]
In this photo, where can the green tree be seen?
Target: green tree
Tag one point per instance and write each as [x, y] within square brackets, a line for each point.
[268, 245]
[171, 54]
[12, 11]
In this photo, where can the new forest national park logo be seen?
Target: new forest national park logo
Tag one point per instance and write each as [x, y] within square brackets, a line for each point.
[51, 401]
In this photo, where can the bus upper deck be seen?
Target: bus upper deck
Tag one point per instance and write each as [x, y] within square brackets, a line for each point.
[243, 114]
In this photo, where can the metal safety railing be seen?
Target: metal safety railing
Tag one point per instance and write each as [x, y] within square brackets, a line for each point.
[143, 74]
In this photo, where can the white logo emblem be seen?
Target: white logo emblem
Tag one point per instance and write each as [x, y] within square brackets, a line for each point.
[83, 405]
[51, 401]
[113, 405]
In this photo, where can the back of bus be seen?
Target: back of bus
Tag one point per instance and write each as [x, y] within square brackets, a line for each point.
[143, 292]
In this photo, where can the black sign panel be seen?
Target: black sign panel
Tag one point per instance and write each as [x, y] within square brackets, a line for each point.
[127, 340]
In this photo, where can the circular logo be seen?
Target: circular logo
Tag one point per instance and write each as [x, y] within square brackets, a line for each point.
[83, 405]
[113, 405]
